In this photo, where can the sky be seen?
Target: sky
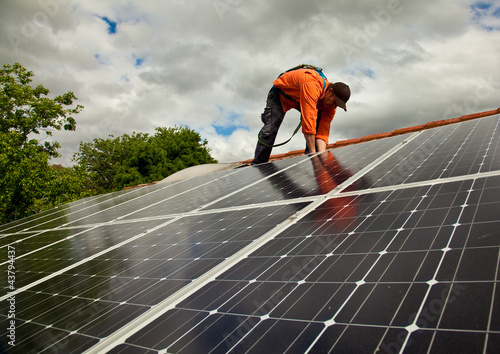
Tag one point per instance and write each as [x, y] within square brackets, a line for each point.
[209, 64]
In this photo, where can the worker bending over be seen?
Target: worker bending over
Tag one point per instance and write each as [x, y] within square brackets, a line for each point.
[308, 91]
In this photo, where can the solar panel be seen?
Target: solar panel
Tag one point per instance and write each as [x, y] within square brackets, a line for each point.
[453, 150]
[309, 176]
[385, 246]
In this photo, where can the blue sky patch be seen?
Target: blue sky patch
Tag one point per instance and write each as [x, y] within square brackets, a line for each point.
[111, 25]
[226, 130]
[139, 61]
[481, 5]
[486, 15]
[232, 122]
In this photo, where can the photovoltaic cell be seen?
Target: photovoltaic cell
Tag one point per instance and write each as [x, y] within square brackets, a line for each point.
[277, 257]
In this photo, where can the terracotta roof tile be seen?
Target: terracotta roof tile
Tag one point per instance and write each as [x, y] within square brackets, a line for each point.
[295, 152]
[346, 142]
[376, 136]
[480, 114]
[408, 130]
[439, 123]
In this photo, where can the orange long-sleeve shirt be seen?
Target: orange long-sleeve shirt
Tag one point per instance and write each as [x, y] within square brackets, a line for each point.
[305, 86]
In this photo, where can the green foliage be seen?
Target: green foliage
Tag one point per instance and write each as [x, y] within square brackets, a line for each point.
[67, 185]
[29, 185]
[26, 110]
[23, 174]
[115, 163]
[27, 182]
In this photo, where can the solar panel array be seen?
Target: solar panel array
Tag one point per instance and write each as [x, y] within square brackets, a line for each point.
[385, 246]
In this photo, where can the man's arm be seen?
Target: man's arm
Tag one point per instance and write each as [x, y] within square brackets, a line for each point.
[323, 129]
[311, 142]
[320, 145]
[315, 145]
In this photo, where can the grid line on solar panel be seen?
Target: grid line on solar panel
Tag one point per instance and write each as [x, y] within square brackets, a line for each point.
[352, 192]
[372, 291]
[10, 239]
[270, 171]
[492, 162]
[41, 240]
[486, 165]
[76, 240]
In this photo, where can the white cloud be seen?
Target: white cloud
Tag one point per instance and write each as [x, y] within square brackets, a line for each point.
[407, 62]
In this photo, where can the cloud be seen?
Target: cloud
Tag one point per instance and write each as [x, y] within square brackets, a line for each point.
[210, 64]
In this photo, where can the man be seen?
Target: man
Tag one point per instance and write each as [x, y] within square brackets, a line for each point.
[313, 96]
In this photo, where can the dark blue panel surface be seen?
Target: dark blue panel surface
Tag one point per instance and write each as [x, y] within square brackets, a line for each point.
[386, 267]
[102, 294]
[454, 150]
[48, 252]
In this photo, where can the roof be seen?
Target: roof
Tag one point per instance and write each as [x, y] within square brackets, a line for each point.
[387, 246]
[400, 131]
[205, 169]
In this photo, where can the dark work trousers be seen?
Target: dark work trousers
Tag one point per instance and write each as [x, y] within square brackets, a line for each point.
[272, 117]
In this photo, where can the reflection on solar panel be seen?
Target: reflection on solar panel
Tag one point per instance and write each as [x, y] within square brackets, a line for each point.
[386, 246]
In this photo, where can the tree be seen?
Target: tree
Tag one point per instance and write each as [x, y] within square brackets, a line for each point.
[26, 110]
[115, 163]
[26, 179]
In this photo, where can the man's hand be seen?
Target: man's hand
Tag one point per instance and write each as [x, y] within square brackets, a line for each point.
[315, 145]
